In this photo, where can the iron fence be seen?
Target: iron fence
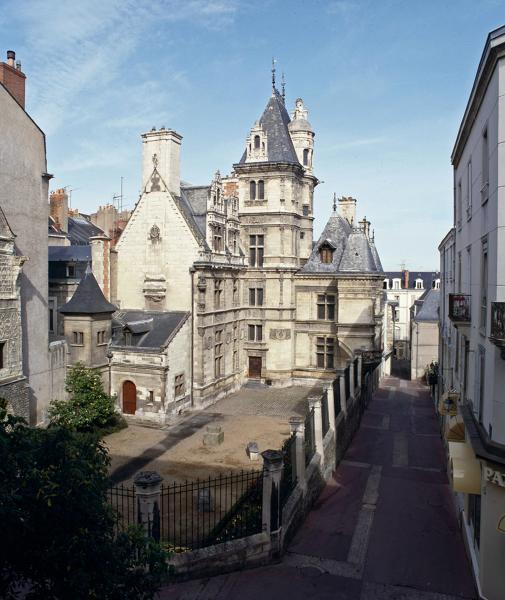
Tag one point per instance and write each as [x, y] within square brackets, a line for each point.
[200, 513]
[288, 481]
[325, 417]
[310, 437]
[209, 511]
[122, 500]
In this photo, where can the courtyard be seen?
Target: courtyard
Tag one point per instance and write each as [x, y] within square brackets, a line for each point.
[177, 452]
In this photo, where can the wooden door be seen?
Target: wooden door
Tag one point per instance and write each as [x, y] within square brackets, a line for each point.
[129, 398]
[255, 367]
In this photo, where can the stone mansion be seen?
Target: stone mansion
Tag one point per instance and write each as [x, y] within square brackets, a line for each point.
[215, 285]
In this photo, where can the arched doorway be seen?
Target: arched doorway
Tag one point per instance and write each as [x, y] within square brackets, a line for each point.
[129, 398]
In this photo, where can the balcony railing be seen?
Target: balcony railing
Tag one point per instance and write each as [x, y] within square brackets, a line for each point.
[498, 324]
[460, 308]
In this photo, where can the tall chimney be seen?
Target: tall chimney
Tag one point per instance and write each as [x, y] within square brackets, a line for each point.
[58, 208]
[347, 209]
[162, 150]
[13, 78]
[405, 279]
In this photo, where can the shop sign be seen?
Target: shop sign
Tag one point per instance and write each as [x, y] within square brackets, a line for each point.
[495, 477]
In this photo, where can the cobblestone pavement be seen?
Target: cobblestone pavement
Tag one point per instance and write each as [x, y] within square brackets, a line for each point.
[267, 401]
[384, 528]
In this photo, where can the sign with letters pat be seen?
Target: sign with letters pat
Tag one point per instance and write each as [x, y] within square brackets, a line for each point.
[495, 477]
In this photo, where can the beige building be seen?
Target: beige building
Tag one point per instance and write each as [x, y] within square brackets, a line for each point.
[424, 333]
[221, 284]
[472, 323]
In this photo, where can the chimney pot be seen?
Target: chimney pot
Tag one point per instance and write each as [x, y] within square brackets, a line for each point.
[11, 58]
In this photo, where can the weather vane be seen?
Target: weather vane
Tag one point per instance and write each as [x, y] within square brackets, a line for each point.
[283, 84]
[273, 74]
[334, 202]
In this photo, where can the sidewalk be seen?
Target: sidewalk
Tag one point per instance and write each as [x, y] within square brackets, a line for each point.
[383, 528]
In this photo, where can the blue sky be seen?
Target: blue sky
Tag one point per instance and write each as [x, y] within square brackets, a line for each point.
[385, 82]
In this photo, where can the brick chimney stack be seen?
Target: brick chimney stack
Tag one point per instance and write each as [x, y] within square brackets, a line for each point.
[13, 78]
[58, 208]
[405, 279]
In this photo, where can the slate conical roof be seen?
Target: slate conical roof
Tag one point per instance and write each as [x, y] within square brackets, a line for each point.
[275, 121]
[88, 298]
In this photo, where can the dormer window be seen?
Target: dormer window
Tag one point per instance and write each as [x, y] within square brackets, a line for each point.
[419, 284]
[305, 157]
[385, 284]
[396, 284]
[326, 254]
[257, 142]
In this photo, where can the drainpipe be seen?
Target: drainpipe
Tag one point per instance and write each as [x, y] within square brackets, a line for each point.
[192, 271]
[417, 348]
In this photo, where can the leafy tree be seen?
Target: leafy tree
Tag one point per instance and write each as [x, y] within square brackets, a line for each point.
[57, 537]
[88, 407]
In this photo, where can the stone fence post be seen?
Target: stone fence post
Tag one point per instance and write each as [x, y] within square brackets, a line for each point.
[297, 428]
[272, 473]
[360, 369]
[352, 383]
[148, 494]
[331, 406]
[315, 404]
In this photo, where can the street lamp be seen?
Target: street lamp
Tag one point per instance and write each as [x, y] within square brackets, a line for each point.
[109, 359]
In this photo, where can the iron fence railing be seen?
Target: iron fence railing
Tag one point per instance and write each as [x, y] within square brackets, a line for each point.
[325, 417]
[200, 513]
[122, 500]
[209, 511]
[310, 437]
[288, 481]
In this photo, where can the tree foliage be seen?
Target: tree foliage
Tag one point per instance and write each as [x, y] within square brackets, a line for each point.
[88, 407]
[57, 538]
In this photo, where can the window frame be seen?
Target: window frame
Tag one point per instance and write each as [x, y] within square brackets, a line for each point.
[254, 332]
[326, 307]
[256, 250]
[325, 352]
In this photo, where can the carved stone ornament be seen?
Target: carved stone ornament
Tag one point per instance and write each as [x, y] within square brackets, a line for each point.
[208, 343]
[228, 338]
[154, 233]
[155, 182]
[280, 334]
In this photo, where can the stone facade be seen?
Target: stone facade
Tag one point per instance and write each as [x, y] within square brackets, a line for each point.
[238, 256]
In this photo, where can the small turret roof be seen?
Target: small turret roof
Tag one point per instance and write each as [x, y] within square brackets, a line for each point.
[88, 298]
[275, 121]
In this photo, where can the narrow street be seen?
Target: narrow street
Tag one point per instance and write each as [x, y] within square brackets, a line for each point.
[383, 528]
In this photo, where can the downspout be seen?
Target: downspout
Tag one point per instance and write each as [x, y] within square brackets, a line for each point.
[192, 272]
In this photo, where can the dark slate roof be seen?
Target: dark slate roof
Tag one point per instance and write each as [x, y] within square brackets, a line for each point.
[275, 121]
[430, 304]
[353, 250]
[195, 199]
[150, 329]
[69, 253]
[81, 229]
[428, 278]
[88, 298]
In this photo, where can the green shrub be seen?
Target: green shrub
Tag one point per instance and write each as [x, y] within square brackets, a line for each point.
[58, 531]
[88, 407]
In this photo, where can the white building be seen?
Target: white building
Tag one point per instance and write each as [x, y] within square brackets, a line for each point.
[402, 289]
[472, 338]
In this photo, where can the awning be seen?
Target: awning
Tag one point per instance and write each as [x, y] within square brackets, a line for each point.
[455, 429]
[465, 468]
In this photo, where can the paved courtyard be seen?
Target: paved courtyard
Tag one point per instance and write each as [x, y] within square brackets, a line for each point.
[383, 528]
[259, 414]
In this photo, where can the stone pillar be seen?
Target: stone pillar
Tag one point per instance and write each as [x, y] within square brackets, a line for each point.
[148, 493]
[343, 399]
[272, 473]
[297, 427]
[315, 403]
[352, 383]
[360, 369]
[331, 406]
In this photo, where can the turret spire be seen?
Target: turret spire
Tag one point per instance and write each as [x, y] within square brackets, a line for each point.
[283, 85]
[273, 74]
[334, 202]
